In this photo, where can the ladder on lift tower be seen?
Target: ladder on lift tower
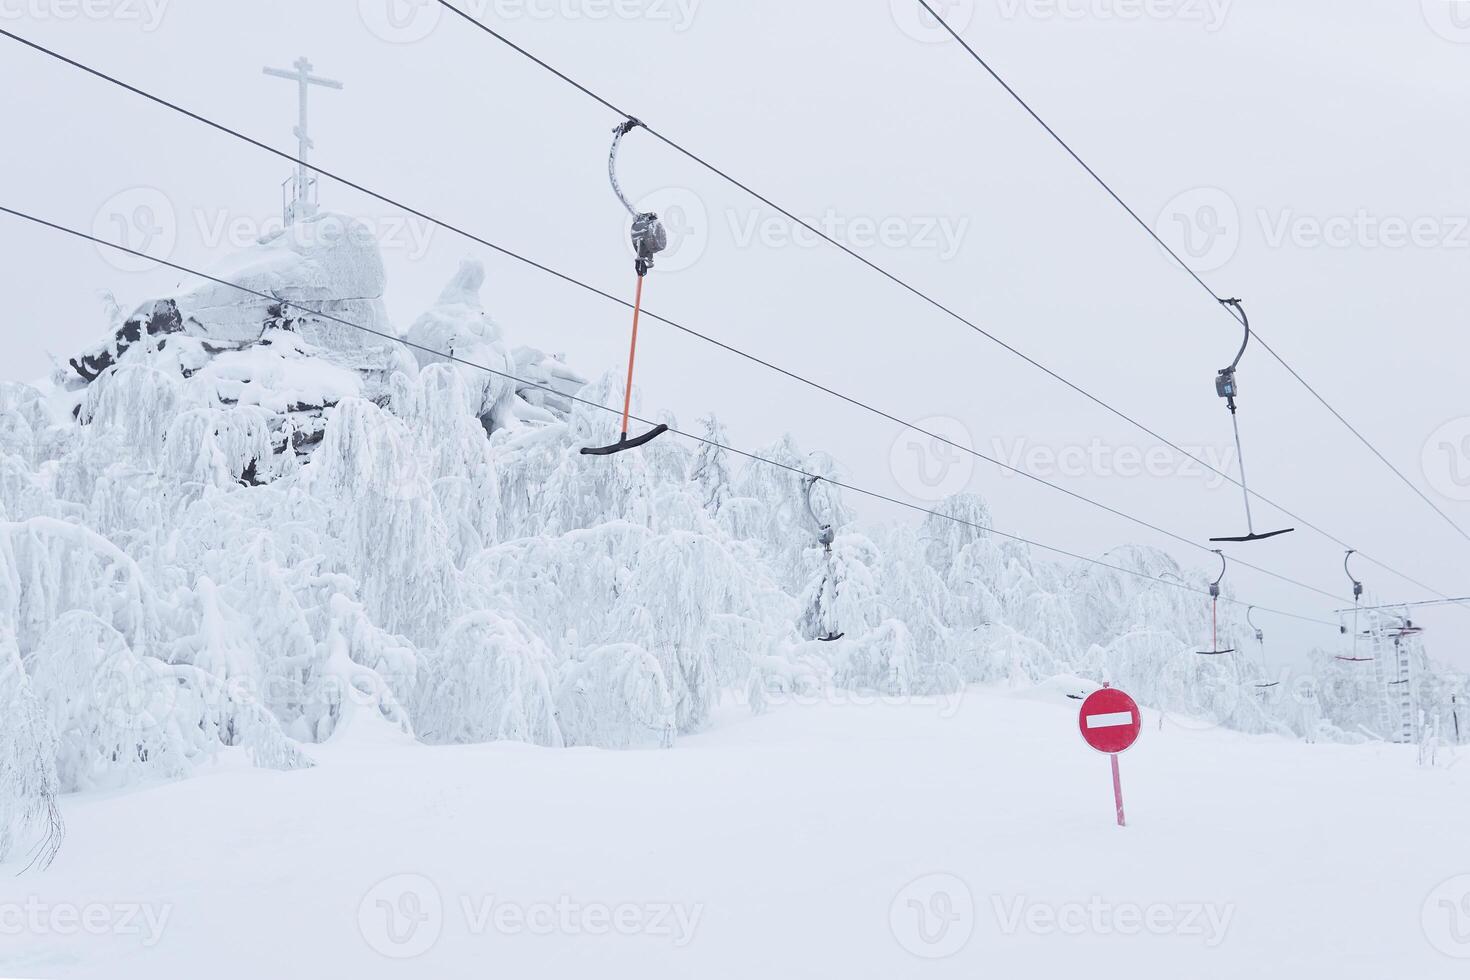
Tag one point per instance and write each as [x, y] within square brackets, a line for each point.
[1402, 687]
[1393, 656]
[1383, 672]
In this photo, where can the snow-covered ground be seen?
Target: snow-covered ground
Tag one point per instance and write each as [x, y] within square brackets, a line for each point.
[831, 840]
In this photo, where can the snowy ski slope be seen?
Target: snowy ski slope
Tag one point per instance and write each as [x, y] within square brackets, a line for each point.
[837, 840]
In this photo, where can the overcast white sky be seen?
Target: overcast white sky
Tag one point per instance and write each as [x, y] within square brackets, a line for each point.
[1310, 155]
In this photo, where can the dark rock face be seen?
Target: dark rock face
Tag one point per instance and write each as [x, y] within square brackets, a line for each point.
[162, 319]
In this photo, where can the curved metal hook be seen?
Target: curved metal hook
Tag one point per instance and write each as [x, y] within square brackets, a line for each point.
[1250, 618]
[1225, 385]
[811, 484]
[1357, 586]
[612, 162]
[825, 534]
[1357, 601]
[1239, 311]
[1224, 567]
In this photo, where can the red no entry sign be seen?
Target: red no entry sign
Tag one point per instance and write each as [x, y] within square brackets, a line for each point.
[1110, 721]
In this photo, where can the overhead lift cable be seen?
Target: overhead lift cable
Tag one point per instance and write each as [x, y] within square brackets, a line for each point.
[1185, 266]
[1417, 605]
[452, 358]
[571, 280]
[701, 161]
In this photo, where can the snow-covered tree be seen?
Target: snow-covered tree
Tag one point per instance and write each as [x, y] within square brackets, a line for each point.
[490, 680]
[616, 697]
[711, 473]
[30, 820]
[839, 596]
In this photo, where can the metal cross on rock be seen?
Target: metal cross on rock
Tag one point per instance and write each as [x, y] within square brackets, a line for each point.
[301, 190]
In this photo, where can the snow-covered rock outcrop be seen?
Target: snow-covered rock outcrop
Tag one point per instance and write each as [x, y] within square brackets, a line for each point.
[328, 263]
[505, 387]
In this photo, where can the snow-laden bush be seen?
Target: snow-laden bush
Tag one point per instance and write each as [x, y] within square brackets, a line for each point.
[214, 448]
[26, 403]
[882, 662]
[461, 466]
[840, 594]
[50, 567]
[668, 604]
[22, 495]
[364, 668]
[115, 713]
[489, 680]
[17, 439]
[711, 470]
[616, 697]
[382, 510]
[134, 404]
[30, 821]
[223, 661]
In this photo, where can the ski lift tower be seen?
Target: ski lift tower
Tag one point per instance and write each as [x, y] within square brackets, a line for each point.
[1397, 649]
[299, 193]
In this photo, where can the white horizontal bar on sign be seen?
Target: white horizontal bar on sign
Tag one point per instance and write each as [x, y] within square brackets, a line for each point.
[1114, 720]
